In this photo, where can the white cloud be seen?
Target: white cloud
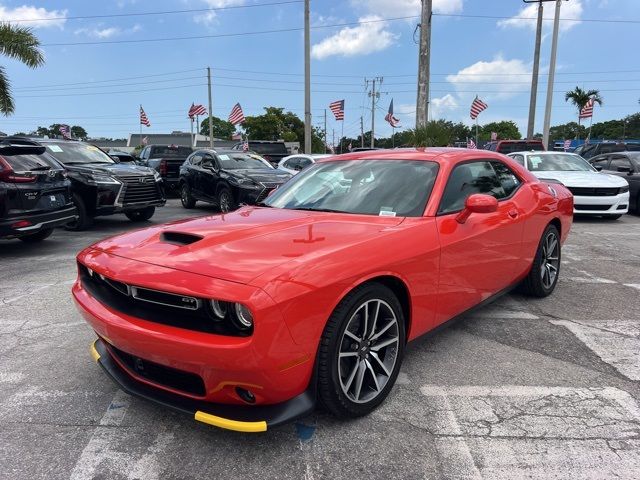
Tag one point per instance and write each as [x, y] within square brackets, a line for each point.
[443, 104]
[208, 18]
[499, 73]
[102, 32]
[37, 15]
[405, 8]
[571, 9]
[360, 40]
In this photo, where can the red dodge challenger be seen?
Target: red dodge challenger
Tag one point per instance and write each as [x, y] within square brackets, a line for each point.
[246, 320]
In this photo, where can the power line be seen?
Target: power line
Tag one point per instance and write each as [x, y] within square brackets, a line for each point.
[160, 12]
[502, 17]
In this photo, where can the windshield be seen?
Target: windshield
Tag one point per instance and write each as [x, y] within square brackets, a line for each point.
[236, 161]
[76, 153]
[268, 147]
[558, 162]
[369, 187]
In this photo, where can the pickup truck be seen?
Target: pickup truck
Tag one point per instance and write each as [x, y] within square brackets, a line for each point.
[166, 160]
[272, 151]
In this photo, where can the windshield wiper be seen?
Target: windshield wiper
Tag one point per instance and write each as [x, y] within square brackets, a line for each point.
[262, 204]
[43, 167]
[308, 209]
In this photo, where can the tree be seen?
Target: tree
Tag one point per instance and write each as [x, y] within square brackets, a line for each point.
[567, 131]
[18, 43]
[221, 128]
[436, 133]
[580, 97]
[78, 132]
[505, 129]
[276, 124]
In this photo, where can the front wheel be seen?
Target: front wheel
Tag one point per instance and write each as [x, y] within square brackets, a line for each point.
[141, 215]
[185, 196]
[84, 220]
[361, 351]
[543, 277]
[226, 201]
[38, 236]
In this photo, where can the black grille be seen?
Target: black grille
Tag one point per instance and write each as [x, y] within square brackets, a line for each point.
[140, 189]
[169, 377]
[157, 307]
[594, 192]
[598, 208]
[264, 194]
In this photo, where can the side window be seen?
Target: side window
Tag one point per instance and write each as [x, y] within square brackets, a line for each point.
[519, 159]
[196, 159]
[508, 180]
[304, 163]
[600, 162]
[467, 179]
[291, 163]
[618, 162]
[143, 154]
[207, 160]
[607, 148]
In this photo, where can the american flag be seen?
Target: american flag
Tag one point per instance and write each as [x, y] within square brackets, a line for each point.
[393, 121]
[143, 118]
[587, 110]
[477, 106]
[236, 116]
[337, 108]
[196, 110]
[471, 144]
[145, 140]
[245, 146]
[65, 131]
[236, 136]
[567, 145]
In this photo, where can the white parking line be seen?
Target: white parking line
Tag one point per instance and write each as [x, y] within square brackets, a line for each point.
[633, 285]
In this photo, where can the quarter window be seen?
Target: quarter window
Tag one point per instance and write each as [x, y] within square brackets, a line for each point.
[507, 178]
[619, 161]
[467, 179]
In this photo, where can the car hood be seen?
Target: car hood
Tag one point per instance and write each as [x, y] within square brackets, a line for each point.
[583, 179]
[267, 175]
[247, 243]
[110, 168]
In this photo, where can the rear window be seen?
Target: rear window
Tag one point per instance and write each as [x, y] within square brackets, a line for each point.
[268, 147]
[633, 147]
[520, 146]
[23, 163]
[167, 151]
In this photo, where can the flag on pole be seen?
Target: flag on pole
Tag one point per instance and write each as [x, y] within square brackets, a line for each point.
[567, 145]
[587, 110]
[393, 121]
[350, 147]
[196, 110]
[145, 140]
[245, 146]
[144, 120]
[236, 116]
[477, 106]
[337, 108]
[236, 136]
[494, 136]
[471, 144]
[65, 131]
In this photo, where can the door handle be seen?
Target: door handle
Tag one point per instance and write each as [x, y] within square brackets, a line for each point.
[513, 213]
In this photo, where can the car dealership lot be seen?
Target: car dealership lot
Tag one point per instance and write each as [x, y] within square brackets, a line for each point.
[521, 388]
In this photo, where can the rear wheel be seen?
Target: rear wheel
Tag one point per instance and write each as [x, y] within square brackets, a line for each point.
[141, 215]
[225, 200]
[543, 277]
[361, 351]
[84, 219]
[185, 196]
[38, 236]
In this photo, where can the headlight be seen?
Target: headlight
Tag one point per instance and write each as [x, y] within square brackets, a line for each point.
[236, 315]
[247, 183]
[220, 309]
[157, 176]
[624, 189]
[244, 317]
[97, 178]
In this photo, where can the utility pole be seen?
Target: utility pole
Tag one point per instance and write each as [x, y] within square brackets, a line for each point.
[536, 68]
[210, 109]
[361, 131]
[325, 130]
[552, 73]
[374, 96]
[307, 78]
[424, 60]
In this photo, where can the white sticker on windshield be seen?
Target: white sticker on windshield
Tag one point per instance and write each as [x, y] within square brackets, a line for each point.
[223, 157]
[387, 212]
[54, 148]
[535, 161]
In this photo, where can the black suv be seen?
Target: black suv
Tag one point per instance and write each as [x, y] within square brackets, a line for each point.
[588, 151]
[166, 160]
[227, 178]
[102, 186]
[35, 194]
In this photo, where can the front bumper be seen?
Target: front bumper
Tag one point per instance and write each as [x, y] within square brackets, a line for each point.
[40, 221]
[601, 205]
[231, 417]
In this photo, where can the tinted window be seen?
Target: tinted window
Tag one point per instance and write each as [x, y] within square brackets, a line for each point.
[196, 159]
[240, 160]
[600, 162]
[467, 179]
[518, 158]
[633, 147]
[379, 187]
[608, 148]
[268, 147]
[619, 161]
[509, 147]
[73, 153]
[22, 163]
[292, 163]
[304, 162]
[507, 178]
[588, 151]
[554, 162]
[170, 151]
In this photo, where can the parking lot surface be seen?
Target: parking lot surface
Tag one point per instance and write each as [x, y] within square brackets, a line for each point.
[523, 388]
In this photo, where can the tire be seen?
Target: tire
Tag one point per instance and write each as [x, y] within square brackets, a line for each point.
[84, 219]
[612, 217]
[226, 203]
[340, 376]
[540, 282]
[141, 215]
[185, 196]
[38, 236]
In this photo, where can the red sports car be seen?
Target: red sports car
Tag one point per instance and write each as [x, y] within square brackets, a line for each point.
[246, 320]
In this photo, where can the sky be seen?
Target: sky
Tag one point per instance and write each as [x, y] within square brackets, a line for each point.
[100, 69]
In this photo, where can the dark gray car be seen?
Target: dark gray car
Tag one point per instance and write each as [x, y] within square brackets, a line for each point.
[626, 165]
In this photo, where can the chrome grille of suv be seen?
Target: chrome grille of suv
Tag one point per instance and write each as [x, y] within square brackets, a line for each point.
[139, 189]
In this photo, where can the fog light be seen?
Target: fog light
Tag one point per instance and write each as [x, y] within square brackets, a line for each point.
[243, 314]
[219, 308]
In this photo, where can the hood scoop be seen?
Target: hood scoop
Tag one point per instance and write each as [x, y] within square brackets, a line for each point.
[180, 238]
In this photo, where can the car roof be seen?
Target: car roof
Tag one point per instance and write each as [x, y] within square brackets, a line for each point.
[434, 154]
[544, 152]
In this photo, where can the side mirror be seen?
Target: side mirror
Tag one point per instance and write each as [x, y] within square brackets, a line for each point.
[598, 167]
[115, 158]
[624, 169]
[477, 203]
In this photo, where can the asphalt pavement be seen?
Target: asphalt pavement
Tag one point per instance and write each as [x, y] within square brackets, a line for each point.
[523, 388]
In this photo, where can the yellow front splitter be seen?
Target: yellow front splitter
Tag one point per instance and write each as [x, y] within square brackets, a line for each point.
[236, 425]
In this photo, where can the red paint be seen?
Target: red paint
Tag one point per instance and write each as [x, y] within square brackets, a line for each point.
[291, 268]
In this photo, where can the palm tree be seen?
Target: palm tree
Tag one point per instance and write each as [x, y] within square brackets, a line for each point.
[19, 43]
[580, 97]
